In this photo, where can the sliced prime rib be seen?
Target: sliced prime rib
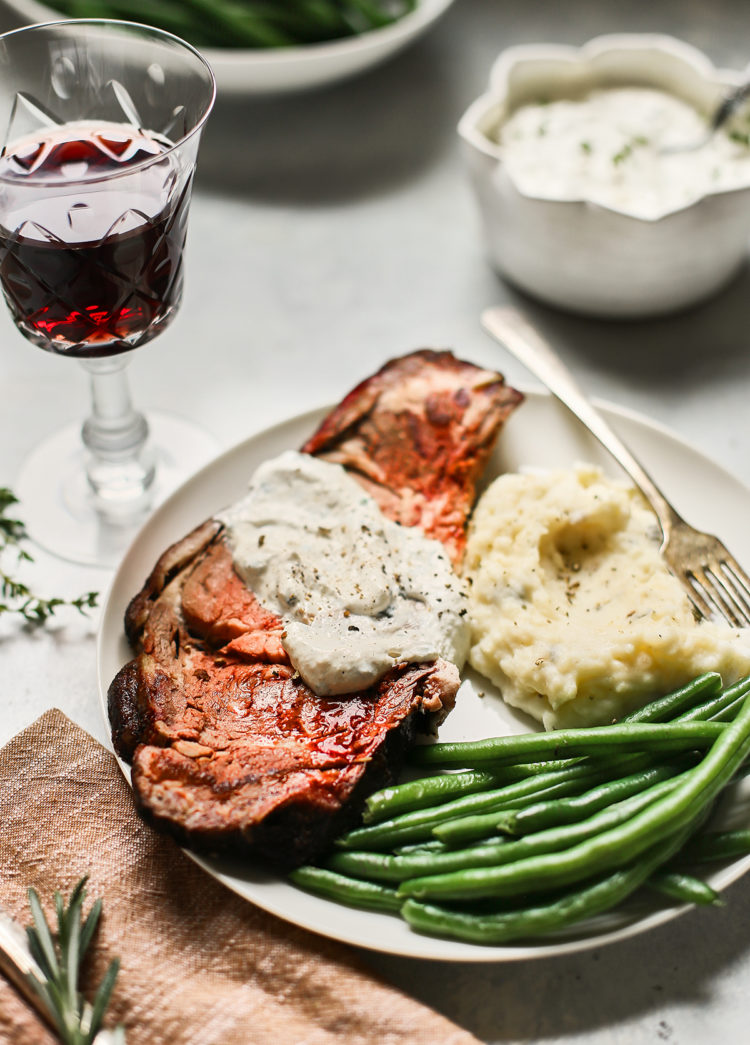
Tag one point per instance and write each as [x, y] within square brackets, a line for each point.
[230, 750]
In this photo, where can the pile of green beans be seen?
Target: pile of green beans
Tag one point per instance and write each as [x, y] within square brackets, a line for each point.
[529, 834]
[247, 23]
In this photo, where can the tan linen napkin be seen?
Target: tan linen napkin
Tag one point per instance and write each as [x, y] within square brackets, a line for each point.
[199, 965]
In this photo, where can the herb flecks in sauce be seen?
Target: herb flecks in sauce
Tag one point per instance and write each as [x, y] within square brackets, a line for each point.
[615, 147]
[357, 593]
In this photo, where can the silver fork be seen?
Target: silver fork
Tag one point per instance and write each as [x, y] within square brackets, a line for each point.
[715, 583]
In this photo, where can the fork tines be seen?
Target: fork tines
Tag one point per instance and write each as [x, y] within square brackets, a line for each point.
[720, 588]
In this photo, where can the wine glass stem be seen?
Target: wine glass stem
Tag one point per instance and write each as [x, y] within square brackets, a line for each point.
[121, 464]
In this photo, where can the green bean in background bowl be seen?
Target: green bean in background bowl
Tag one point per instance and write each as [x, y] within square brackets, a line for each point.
[247, 23]
[262, 47]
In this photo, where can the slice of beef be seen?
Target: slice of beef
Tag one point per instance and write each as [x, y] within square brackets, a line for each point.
[230, 750]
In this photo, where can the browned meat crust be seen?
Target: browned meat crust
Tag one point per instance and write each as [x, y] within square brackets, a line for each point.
[418, 435]
[230, 749]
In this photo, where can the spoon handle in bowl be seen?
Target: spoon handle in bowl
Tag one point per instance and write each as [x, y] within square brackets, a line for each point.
[730, 103]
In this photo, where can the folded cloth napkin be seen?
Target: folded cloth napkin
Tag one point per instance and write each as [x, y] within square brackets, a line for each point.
[199, 964]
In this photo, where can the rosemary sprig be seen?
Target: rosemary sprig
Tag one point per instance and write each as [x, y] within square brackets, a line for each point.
[16, 596]
[59, 958]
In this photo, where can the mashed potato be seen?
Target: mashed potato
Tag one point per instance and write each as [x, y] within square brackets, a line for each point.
[574, 615]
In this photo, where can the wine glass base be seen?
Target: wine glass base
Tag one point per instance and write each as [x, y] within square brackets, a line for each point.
[57, 503]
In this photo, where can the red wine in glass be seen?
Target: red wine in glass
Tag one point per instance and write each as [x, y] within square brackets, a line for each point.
[92, 268]
[101, 124]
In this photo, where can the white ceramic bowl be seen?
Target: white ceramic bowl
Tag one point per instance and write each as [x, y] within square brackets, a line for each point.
[586, 257]
[241, 71]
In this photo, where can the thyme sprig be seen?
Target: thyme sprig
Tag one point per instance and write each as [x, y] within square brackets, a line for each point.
[16, 596]
[59, 957]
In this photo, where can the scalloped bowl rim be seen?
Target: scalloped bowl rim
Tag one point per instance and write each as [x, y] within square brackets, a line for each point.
[498, 91]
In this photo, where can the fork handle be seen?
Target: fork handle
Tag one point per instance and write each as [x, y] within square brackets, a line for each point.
[17, 965]
[510, 328]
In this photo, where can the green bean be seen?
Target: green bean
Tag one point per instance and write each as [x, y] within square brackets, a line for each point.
[398, 867]
[350, 891]
[563, 836]
[716, 845]
[728, 712]
[578, 807]
[428, 791]
[468, 830]
[594, 897]
[249, 23]
[466, 826]
[172, 16]
[371, 13]
[667, 707]
[243, 24]
[683, 887]
[432, 846]
[596, 740]
[324, 20]
[729, 697]
[309, 21]
[417, 825]
[605, 850]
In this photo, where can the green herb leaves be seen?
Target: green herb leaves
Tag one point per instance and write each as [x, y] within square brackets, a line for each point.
[740, 137]
[627, 150]
[15, 595]
[59, 957]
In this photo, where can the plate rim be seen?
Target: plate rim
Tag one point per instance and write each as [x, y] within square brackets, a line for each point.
[426, 947]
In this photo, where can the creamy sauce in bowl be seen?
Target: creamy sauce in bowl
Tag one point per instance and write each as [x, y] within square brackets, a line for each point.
[357, 592]
[610, 147]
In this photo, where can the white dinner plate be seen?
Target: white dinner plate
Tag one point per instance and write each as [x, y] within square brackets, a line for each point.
[541, 434]
[246, 71]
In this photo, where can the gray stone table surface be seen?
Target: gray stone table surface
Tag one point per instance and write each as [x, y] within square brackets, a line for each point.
[329, 232]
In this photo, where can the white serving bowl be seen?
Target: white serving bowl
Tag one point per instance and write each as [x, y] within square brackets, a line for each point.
[587, 257]
[282, 70]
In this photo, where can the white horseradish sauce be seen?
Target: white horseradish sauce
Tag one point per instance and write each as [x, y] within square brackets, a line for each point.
[357, 592]
[607, 148]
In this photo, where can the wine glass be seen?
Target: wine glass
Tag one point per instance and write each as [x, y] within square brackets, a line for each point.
[101, 122]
